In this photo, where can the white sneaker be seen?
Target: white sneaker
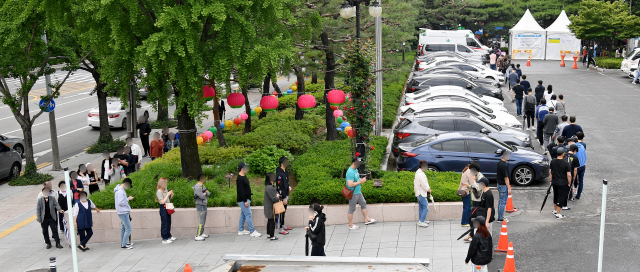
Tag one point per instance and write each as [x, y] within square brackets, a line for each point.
[199, 238]
[422, 224]
[554, 212]
[560, 216]
[244, 232]
[130, 244]
[566, 208]
[168, 241]
[633, 82]
[204, 235]
[255, 233]
[173, 238]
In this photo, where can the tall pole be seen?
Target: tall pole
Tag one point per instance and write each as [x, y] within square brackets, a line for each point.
[52, 122]
[602, 217]
[378, 125]
[72, 230]
[360, 146]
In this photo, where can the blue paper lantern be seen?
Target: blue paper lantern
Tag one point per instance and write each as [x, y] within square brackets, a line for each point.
[177, 136]
[344, 125]
[221, 125]
[289, 91]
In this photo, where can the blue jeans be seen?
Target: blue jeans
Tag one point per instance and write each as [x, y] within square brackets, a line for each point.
[503, 192]
[125, 228]
[165, 223]
[423, 208]
[245, 216]
[581, 170]
[519, 105]
[636, 77]
[466, 210]
[492, 66]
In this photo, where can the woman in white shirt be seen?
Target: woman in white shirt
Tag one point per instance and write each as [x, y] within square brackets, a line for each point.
[422, 191]
[83, 176]
[549, 93]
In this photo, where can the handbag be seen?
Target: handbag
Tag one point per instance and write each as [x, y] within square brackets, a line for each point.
[348, 194]
[278, 207]
[462, 193]
[170, 208]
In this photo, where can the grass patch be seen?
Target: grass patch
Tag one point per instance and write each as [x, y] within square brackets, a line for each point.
[30, 177]
[170, 123]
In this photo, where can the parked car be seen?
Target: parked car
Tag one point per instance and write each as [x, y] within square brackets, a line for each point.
[459, 36]
[480, 70]
[14, 143]
[117, 115]
[10, 162]
[453, 151]
[480, 90]
[629, 64]
[496, 117]
[475, 76]
[490, 108]
[450, 89]
[433, 55]
[411, 129]
[458, 48]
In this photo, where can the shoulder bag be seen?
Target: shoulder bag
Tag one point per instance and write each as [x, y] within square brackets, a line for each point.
[170, 208]
[347, 193]
[278, 207]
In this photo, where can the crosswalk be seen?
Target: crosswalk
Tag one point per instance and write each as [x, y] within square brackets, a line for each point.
[77, 77]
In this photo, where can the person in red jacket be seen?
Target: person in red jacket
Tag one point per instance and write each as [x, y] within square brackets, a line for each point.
[156, 147]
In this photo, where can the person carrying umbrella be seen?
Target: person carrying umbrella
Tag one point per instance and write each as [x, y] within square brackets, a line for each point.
[560, 175]
[481, 248]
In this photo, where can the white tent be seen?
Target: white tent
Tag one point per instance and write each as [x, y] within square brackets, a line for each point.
[560, 39]
[527, 38]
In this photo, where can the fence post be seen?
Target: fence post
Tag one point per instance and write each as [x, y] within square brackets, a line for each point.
[602, 216]
[52, 264]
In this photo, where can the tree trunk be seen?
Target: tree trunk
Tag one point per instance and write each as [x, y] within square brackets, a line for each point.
[24, 120]
[329, 77]
[216, 120]
[105, 130]
[189, 157]
[314, 78]
[276, 88]
[265, 91]
[163, 111]
[300, 79]
[247, 110]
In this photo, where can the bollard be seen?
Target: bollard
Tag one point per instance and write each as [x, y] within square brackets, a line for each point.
[562, 59]
[575, 61]
[602, 216]
[52, 264]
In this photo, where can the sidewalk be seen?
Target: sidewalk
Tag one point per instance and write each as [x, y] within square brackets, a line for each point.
[24, 250]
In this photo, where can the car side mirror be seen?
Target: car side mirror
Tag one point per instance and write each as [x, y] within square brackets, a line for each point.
[474, 69]
[469, 86]
[484, 130]
[499, 151]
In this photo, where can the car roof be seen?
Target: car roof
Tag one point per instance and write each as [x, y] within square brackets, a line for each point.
[440, 115]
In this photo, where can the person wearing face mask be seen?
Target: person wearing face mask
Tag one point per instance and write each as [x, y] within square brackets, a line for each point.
[504, 186]
[271, 196]
[116, 171]
[83, 176]
[163, 197]
[200, 195]
[75, 185]
[136, 152]
[283, 188]
[171, 142]
[467, 179]
[105, 166]
[83, 220]
[480, 251]
[422, 190]
[47, 210]
[316, 230]
[130, 159]
[62, 201]
[243, 197]
[46, 185]
[123, 209]
[353, 183]
[93, 178]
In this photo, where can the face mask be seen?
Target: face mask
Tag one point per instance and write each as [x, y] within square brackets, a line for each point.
[507, 157]
[63, 188]
[83, 199]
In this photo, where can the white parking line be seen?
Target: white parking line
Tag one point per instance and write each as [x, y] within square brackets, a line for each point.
[46, 122]
[85, 127]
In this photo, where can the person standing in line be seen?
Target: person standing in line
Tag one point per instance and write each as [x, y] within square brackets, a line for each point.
[83, 176]
[481, 248]
[62, 202]
[561, 108]
[487, 203]
[422, 190]
[116, 172]
[513, 77]
[539, 92]
[165, 138]
[163, 197]
[529, 106]
[560, 127]
[492, 60]
[560, 175]
[510, 68]
[105, 168]
[221, 110]
[501, 64]
[156, 147]
[518, 94]
[552, 147]
[130, 159]
[93, 178]
[518, 71]
[504, 186]
[47, 210]
[83, 219]
[123, 209]
[580, 136]
[582, 158]
[574, 162]
[171, 142]
[136, 152]
[541, 111]
[525, 83]
[316, 229]
[200, 195]
[75, 185]
[271, 196]
[283, 188]
[243, 197]
[549, 124]
[467, 179]
[549, 94]
[144, 129]
[584, 55]
[357, 197]
[47, 185]
[571, 129]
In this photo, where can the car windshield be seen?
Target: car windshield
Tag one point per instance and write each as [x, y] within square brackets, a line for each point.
[498, 128]
[630, 54]
[482, 111]
[423, 140]
[476, 98]
[403, 123]
[506, 146]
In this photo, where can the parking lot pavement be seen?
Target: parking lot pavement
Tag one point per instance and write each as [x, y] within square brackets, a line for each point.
[24, 249]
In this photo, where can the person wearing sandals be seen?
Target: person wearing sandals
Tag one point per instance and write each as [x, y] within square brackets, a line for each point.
[316, 230]
[83, 220]
[353, 182]
[271, 196]
[422, 190]
[164, 197]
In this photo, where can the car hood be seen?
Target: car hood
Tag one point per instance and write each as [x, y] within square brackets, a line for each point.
[505, 119]
[493, 100]
[513, 131]
[526, 152]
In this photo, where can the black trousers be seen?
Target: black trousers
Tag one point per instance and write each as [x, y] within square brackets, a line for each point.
[591, 60]
[281, 216]
[317, 251]
[60, 216]
[539, 132]
[165, 223]
[49, 223]
[529, 117]
[85, 235]
[145, 143]
[271, 227]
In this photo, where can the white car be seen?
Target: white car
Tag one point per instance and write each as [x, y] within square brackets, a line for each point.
[437, 61]
[497, 117]
[117, 115]
[629, 64]
[450, 89]
[488, 107]
[475, 69]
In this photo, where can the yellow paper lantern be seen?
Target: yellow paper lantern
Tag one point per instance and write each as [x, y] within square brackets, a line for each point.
[200, 140]
[228, 123]
[258, 110]
[294, 88]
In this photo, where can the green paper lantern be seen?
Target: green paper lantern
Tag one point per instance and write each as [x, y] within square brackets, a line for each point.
[339, 120]
[213, 130]
[253, 112]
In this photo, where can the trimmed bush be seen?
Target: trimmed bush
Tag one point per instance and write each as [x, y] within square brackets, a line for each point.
[165, 123]
[266, 159]
[105, 144]
[30, 176]
[609, 63]
[210, 153]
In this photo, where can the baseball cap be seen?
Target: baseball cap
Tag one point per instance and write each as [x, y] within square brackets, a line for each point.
[128, 180]
[242, 165]
[356, 159]
[480, 219]
[485, 181]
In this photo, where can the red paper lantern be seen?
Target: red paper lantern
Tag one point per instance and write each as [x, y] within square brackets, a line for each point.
[235, 100]
[244, 116]
[208, 91]
[306, 102]
[237, 121]
[336, 97]
[351, 133]
[269, 103]
[334, 107]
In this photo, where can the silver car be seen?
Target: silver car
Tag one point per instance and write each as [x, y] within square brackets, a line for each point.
[14, 143]
[10, 162]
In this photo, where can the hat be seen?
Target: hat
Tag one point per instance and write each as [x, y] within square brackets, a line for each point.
[551, 109]
[480, 219]
[485, 181]
[356, 159]
[561, 150]
[128, 180]
[504, 151]
[242, 165]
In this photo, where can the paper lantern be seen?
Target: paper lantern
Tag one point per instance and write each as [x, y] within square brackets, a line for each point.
[235, 100]
[294, 87]
[336, 97]
[344, 125]
[221, 125]
[289, 91]
[244, 116]
[228, 123]
[253, 112]
[337, 113]
[350, 132]
[306, 102]
[268, 103]
[213, 130]
[238, 121]
[204, 137]
[334, 107]
[199, 140]
[339, 120]
[258, 110]
[208, 91]
[208, 133]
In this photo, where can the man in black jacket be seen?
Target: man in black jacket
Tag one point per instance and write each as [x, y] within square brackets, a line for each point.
[243, 197]
[539, 92]
[283, 188]
[144, 131]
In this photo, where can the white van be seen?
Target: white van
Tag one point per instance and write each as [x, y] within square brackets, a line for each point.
[463, 36]
[629, 64]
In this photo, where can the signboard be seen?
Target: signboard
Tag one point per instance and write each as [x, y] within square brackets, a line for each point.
[554, 40]
[52, 105]
[530, 40]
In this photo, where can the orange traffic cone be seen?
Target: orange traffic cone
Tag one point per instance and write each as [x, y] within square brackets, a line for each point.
[575, 61]
[529, 61]
[510, 207]
[562, 59]
[187, 268]
[504, 239]
[510, 262]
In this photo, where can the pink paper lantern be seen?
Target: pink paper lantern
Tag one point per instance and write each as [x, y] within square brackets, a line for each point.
[208, 91]
[336, 97]
[337, 113]
[235, 100]
[209, 134]
[269, 103]
[244, 116]
[306, 102]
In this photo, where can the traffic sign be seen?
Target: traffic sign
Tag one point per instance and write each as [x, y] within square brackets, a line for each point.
[52, 105]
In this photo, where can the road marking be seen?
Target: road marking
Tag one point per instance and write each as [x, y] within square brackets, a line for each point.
[86, 148]
[57, 105]
[85, 127]
[16, 227]
[46, 122]
[43, 165]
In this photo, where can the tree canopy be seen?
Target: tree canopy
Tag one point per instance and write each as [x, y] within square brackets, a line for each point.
[603, 20]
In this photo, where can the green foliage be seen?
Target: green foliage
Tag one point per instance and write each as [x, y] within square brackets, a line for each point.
[103, 144]
[609, 63]
[393, 87]
[227, 196]
[30, 177]
[604, 20]
[359, 56]
[209, 153]
[266, 159]
[164, 123]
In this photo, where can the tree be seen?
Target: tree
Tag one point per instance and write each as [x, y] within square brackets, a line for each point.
[602, 20]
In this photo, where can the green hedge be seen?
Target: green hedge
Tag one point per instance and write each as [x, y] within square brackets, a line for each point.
[609, 63]
[209, 153]
[392, 87]
[265, 160]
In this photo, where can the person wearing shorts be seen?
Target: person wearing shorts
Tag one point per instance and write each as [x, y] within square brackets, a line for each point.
[353, 182]
[560, 175]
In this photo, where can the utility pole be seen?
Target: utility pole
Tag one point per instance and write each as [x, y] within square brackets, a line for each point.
[132, 119]
[52, 122]
[378, 125]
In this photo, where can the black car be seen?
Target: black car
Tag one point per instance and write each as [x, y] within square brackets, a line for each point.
[439, 80]
[411, 129]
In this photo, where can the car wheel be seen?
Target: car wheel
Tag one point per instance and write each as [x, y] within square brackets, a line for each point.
[15, 170]
[146, 114]
[18, 148]
[124, 123]
[523, 175]
[94, 128]
[433, 168]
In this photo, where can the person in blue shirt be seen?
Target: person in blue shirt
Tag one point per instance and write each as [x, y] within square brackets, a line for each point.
[541, 111]
[525, 83]
[582, 158]
[353, 183]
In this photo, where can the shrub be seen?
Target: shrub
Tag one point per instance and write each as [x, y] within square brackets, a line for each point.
[105, 144]
[392, 89]
[609, 63]
[266, 159]
[164, 123]
[30, 176]
[209, 153]
[287, 101]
